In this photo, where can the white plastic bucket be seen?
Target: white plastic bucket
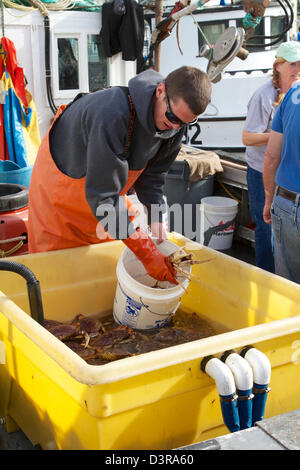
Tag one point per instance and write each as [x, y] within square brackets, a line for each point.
[217, 221]
[137, 302]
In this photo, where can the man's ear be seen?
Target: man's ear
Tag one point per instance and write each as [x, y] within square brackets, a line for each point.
[160, 90]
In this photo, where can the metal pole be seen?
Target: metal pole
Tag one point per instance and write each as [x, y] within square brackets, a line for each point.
[158, 18]
[2, 18]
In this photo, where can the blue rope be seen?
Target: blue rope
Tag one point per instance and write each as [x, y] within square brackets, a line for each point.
[250, 22]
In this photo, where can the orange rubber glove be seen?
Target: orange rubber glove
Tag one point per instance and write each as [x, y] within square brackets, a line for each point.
[156, 264]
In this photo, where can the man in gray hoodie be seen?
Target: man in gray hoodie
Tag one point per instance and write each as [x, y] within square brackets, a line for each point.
[99, 147]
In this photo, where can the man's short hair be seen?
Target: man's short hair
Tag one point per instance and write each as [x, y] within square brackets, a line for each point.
[190, 84]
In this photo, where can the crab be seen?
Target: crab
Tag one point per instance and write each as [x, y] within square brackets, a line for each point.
[91, 326]
[112, 337]
[100, 341]
[62, 331]
[180, 260]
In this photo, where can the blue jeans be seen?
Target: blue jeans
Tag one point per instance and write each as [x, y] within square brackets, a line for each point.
[263, 232]
[285, 216]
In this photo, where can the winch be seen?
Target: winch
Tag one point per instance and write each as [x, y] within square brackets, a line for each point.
[228, 46]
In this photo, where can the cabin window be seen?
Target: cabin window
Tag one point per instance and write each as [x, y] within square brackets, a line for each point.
[278, 24]
[97, 63]
[79, 64]
[212, 31]
[68, 70]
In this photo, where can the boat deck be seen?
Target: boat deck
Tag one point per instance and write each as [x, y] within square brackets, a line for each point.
[277, 433]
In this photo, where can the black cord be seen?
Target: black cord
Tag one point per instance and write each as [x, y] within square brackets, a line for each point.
[280, 35]
[47, 64]
[282, 32]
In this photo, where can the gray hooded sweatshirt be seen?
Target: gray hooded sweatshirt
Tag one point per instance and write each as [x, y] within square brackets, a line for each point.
[89, 138]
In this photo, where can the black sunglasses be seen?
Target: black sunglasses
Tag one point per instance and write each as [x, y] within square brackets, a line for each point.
[173, 118]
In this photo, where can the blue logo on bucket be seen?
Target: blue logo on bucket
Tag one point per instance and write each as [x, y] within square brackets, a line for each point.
[132, 308]
[131, 311]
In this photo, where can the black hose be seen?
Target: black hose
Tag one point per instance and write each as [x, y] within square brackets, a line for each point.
[288, 27]
[33, 288]
[47, 64]
[279, 36]
[272, 43]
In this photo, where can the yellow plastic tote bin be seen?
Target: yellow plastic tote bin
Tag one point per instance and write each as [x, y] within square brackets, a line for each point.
[157, 400]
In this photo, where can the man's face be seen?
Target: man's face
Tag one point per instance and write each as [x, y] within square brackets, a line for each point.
[179, 109]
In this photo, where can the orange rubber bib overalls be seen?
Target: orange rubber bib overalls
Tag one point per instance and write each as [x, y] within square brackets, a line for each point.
[59, 214]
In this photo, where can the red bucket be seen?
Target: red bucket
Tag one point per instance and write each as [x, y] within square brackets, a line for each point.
[13, 219]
